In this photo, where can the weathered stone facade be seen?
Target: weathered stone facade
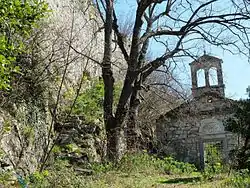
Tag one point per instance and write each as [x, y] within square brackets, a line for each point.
[183, 131]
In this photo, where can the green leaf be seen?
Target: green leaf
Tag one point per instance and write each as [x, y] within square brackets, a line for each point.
[18, 19]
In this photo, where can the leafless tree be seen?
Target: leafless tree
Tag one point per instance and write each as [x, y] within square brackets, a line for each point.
[181, 26]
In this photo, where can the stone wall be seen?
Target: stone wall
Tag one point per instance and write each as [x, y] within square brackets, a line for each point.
[181, 131]
[65, 43]
[78, 24]
[25, 112]
[23, 135]
[80, 142]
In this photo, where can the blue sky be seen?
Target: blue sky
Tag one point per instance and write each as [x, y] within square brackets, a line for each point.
[236, 68]
[236, 71]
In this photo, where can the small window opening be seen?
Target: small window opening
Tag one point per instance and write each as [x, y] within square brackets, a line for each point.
[201, 78]
[213, 78]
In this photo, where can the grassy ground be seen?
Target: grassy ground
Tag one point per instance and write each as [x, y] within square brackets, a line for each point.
[115, 179]
[134, 171]
[143, 180]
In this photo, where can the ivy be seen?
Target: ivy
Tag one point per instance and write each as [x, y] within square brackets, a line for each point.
[18, 19]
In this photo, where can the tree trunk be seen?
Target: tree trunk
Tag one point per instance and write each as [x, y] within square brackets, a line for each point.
[107, 74]
[243, 156]
[114, 124]
[133, 131]
[116, 143]
[111, 141]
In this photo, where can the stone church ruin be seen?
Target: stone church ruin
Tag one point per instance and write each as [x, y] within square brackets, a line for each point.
[185, 131]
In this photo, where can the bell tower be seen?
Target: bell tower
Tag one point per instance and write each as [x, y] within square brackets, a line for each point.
[207, 64]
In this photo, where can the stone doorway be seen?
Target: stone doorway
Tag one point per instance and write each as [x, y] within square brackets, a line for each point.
[213, 140]
[213, 151]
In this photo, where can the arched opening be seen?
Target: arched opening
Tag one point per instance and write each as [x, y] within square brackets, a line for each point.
[213, 78]
[201, 82]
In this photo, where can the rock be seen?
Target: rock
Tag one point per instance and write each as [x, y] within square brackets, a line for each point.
[23, 135]
[81, 141]
[82, 171]
[88, 129]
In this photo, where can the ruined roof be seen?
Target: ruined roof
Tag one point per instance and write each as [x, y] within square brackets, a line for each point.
[192, 104]
[205, 57]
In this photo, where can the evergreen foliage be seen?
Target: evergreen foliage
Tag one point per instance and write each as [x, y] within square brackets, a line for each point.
[240, 124]
[90, 101]
[18, 19]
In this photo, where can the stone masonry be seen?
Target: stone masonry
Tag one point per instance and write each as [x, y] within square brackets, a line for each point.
[183, 131]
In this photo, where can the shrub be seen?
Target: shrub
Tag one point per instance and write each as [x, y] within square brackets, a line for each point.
[60, 175]
[240, 179]
[90, 101]
[38, 178]
[18, 19]
[102, 167]
[214, 163]
[176, 167]
[143, 162]
[5, 178]
[139, 162]
[240, 124]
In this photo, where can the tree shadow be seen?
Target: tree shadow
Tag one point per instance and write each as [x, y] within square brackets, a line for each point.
[182, 180]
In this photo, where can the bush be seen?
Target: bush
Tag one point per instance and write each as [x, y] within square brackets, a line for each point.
[102, 167]
[5, 178]
[60, 175]
[176, 167]
[90, 101]
[143, 162]
[240, 124]
[18, 19]
[138, 162]
[240, 179]
[214, 162]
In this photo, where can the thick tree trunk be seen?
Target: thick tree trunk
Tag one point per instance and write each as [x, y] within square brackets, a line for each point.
[133, 131]
[116, 143]
[114, 124]
[108, 79]
[111, 141]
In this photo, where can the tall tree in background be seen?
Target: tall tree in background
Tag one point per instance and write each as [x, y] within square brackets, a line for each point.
[181, 27]
[240, 124]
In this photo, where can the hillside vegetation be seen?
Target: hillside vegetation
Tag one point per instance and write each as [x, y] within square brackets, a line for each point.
[78, 110]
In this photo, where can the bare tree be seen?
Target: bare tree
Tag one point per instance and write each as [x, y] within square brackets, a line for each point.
[181, 27]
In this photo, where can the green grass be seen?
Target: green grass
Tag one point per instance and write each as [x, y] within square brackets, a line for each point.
[134, 171]
[144, 180]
